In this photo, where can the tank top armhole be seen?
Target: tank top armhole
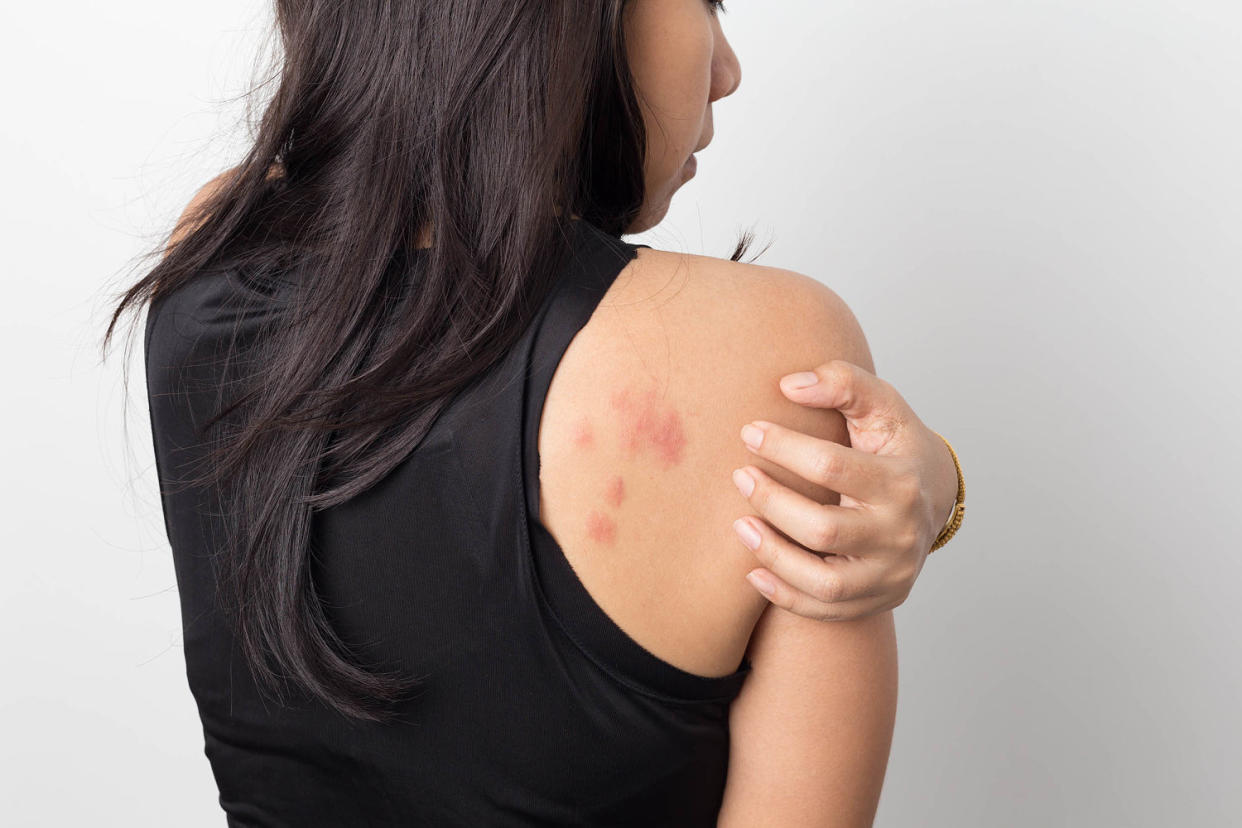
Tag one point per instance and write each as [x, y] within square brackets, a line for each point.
[593, 263]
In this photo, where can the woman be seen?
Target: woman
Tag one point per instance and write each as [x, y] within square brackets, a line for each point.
[444, 459]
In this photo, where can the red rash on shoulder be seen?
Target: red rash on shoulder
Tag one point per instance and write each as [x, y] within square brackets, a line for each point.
[616, 491]
[584, 435]
[601, 528]
[647, 424]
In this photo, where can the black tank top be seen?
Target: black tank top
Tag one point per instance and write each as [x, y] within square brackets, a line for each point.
[535, 708]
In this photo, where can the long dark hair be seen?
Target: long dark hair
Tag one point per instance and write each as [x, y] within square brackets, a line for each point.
[494, 121]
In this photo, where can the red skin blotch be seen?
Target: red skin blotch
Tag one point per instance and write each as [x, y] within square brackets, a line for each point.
[584, 435]
[616, 491]
[601, 528]
[646, 424]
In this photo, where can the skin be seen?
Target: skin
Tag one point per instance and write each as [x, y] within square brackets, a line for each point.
[647, 425]
[616, 491]
[584, 434]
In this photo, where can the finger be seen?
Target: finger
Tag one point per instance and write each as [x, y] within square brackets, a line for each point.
[786, 597]
[829, 464]
[824, 580]
[874, 412]
[791, 600]
[821, 527]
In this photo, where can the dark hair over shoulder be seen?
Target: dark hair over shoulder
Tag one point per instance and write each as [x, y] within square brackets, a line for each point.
[492, 122]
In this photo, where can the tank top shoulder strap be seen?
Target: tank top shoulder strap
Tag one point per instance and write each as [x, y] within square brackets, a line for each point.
[594, 261]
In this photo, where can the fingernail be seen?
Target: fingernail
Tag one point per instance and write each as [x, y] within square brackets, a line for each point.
[760, 582]
[747, 533]
[744, 482]
[752, 436]
[803, 380]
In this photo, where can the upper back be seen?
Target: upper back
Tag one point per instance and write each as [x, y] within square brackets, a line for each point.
[545, 698]
[640, 435]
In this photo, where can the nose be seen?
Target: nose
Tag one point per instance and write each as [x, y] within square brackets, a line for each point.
[726, 69]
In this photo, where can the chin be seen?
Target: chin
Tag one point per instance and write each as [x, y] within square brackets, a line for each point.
[651, 215]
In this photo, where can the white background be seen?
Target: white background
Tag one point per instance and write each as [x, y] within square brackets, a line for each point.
[1034, 209]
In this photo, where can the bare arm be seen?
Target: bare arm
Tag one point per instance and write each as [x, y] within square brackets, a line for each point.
[810, 732]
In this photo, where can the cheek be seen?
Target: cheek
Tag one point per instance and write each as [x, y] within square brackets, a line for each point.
[674, 127]
[672, 68]
[688, 74]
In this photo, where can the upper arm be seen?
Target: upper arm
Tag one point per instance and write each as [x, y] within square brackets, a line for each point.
[810, 731]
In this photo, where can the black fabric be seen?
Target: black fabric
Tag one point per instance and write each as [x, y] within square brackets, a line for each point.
[535, 707]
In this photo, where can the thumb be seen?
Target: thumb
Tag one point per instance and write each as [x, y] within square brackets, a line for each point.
[875, 413]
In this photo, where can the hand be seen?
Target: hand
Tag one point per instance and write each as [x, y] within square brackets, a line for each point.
[897, 484]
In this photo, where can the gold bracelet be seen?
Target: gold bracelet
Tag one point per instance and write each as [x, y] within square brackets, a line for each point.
[959, 506]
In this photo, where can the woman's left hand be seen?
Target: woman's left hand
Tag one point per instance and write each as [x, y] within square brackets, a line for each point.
[897, 482]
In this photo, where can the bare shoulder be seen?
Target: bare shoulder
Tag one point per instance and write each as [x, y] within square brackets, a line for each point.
[715, 292]
[193, 214]
[201, 201]
[682, 352]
